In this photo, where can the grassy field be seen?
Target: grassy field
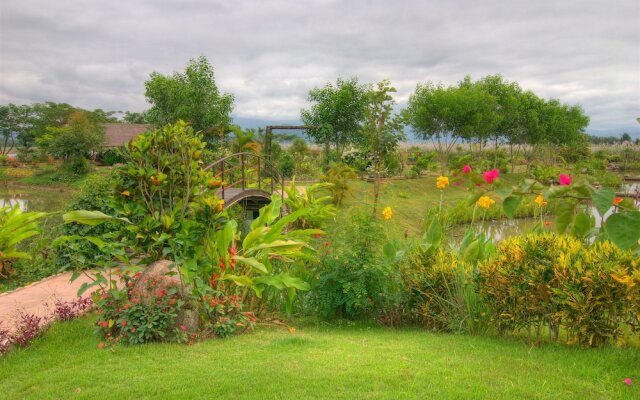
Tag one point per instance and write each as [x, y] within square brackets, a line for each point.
[409, 199]
[317, 361]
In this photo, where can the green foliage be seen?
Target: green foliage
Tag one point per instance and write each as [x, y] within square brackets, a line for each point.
[545, 174]
[191, 96]
[76, 139]
[164, 191]
[287, 165]
[319, 208]
[338, 177]
[353, 279]
[96, 193]
[440, 291]
[78, 166]
[336, 114]
[549, 280]
[110, 157]
[15, 227]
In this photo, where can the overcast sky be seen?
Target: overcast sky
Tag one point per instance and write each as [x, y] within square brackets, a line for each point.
[97, 54]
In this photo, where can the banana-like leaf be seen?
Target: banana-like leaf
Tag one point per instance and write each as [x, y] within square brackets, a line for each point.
[253, 263]
[91, 218]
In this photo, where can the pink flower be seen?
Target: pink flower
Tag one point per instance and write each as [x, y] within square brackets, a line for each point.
[565, 180]
[466, 169]
[490, 176]
[628, 381]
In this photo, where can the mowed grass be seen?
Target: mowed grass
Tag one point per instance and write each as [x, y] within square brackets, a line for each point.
[317, 361]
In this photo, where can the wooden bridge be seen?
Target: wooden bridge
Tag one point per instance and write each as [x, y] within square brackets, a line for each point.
[249, 179]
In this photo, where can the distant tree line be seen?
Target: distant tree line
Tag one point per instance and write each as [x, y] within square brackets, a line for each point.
[625, 137]
[490, 110]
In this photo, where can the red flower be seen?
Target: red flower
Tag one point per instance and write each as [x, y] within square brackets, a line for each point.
[105, 324]
[617, 201]
[214, 280]
[100, 345]
[160, 293]
[490, 176]
[123, 323]
[466, 169]
[547, 223]
[458, 183]
[565, 180]
[130, 284]
[172, 301]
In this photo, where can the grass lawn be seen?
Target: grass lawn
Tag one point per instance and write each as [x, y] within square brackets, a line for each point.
[317, 361]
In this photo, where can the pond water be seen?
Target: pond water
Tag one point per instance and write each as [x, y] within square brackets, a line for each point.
[32, 199]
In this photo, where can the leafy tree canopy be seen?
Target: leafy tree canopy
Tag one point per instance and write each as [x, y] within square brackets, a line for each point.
[191, 96]
[336, 114]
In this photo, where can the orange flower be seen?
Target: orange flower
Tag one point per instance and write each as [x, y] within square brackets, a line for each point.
[617, 201]
[547, 223]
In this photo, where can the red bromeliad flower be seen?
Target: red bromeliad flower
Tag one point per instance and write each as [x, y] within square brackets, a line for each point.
[565, 180]
[214, 280]
[492, 175]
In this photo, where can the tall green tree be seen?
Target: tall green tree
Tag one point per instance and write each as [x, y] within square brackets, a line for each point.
[191, 96]
[336, 114]
[14, 124]
[76, 139]
[382, 129]
[446, 115]
[135, 117]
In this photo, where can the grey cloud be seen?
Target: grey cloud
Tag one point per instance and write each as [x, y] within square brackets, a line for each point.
[270, 53]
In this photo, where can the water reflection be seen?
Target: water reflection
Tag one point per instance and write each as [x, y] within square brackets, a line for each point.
[36, 200]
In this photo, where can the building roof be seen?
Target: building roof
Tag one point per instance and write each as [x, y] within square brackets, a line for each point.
[119, 134]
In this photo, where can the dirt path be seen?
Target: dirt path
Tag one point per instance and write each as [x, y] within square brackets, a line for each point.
[38, 298]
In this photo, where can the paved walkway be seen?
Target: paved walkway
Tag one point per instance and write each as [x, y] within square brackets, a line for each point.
[38, 298]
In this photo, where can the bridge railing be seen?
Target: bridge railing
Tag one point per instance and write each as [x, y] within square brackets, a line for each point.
[247, 171]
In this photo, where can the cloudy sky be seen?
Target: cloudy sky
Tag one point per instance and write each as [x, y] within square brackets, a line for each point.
[97, 54]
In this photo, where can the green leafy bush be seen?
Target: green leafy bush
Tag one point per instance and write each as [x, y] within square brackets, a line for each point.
[353, 279]
[95, 194]
[110, 156]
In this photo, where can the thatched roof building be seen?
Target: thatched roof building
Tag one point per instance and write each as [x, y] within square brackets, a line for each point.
[117, 134]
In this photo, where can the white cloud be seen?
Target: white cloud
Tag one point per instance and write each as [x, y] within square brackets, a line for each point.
[270, 53]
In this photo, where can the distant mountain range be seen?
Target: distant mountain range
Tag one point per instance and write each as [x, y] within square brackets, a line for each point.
[255, 123]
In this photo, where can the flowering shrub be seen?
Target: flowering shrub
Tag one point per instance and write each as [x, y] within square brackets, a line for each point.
[556, 281]
[134, 320]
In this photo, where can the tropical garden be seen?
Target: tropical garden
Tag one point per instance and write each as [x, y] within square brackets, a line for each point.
[497, 257]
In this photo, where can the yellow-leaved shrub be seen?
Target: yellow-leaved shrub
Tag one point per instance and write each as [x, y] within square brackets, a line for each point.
[546, 280]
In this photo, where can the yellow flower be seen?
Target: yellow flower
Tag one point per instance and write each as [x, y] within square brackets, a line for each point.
[442, 182]
[125, 193]
[540, 201]
[387, 213]
[292, 329]
[485, 202]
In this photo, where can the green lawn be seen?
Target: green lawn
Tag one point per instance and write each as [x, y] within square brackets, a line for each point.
[317, 361]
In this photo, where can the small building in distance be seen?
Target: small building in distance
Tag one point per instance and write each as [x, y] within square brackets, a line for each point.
[118, 135]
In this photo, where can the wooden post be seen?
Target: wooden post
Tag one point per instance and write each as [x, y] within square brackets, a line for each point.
[222, 177]
[242, 167]
[259, 176]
